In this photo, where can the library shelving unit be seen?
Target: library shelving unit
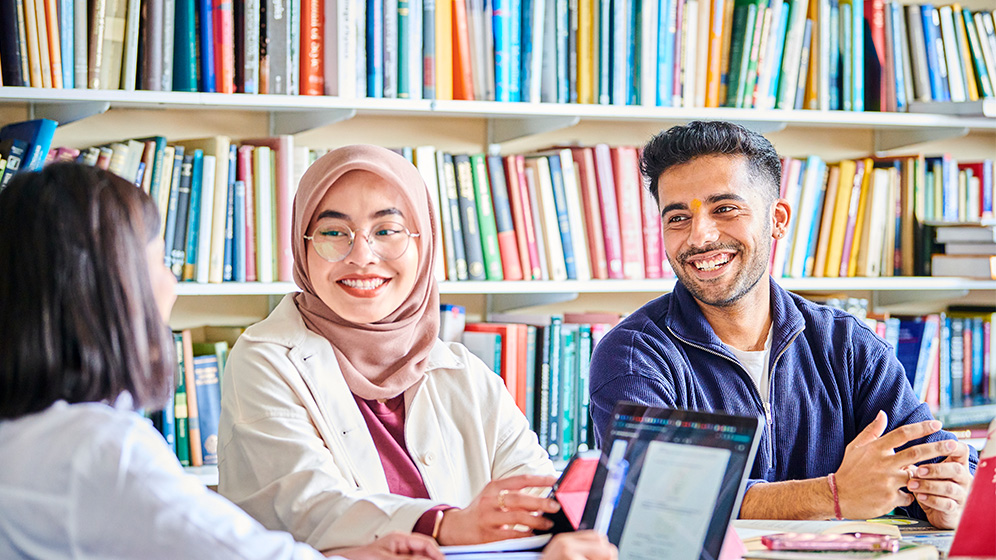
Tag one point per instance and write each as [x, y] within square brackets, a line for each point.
[90, 117]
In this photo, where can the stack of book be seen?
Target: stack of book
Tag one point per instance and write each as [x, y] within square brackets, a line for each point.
[969, 250]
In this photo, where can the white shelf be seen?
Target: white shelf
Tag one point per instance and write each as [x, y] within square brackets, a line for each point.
[208, 474]
[506, 121]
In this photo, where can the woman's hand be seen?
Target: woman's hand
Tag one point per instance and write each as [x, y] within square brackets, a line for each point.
[583, 545]
[395, 546]
[495, 512]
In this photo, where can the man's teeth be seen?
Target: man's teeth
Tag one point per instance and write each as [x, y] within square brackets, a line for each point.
[712, 264]
[369, 284]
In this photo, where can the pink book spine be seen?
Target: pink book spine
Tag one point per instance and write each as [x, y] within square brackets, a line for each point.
[528, 213]
[610, 215]
[243, 172]
[592, 217]
[630, 222]
[653, 239]
[518, 216]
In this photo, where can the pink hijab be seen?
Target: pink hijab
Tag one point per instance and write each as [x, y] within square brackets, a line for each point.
[378, 360]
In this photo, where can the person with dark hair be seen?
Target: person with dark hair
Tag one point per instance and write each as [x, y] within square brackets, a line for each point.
[844, 435]
[84, 296]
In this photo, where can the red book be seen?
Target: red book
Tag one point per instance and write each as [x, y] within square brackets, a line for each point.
[518, 216]
[876, 87]
[312, 47]
[243, 172]
[585, 159]
[528, 213]
[513, 356]
[284, 189]
[653, 236]
[224, 46]
[463, 86]
[610, 214]
[508, 246]
[627, 174]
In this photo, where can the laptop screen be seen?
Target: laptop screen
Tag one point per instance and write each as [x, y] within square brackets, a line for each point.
[669, 481]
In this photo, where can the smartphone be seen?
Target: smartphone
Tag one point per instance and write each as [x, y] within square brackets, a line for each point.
[818, 541]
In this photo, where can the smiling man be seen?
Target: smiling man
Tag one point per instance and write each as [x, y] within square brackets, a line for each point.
[844, 434]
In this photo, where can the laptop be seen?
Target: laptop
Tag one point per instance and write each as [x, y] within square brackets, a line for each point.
[668, 482]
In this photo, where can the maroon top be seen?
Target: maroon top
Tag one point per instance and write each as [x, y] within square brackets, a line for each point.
[386, 423]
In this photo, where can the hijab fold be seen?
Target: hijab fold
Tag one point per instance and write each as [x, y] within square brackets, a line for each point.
[378, 360]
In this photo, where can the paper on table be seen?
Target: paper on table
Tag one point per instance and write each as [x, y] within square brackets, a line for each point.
[534, 542]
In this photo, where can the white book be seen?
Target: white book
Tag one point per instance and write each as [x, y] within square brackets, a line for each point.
[823, 61]
[425, 162]
[812, 187]
[548, 60]
[689, 42]
[203, 263]
[702, 50]
[81, 41]
[294, 48]
[250, 70]
[135, 152]
[789, 82]
[779, 267]
[547, 211]
[956, 80]
[572, 195]
[218, 147]
[489, 51]
[648, 52]
[988, 50]
[765, 100]
[360, 24]
[264, 214]
[169, 30]
[968, 266]
[873, 234]
[414, 47]
[340, 49]
[970, 249]
[165, 184]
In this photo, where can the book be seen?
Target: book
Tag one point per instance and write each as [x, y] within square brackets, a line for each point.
[37, 134]
[193, 416]
[504, 224]
[969, 266]
[486, 218]
[282, 149]
[206, 382]
[469, 218]
[965, 233]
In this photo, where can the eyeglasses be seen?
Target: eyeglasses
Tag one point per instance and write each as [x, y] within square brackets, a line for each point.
[387, 240]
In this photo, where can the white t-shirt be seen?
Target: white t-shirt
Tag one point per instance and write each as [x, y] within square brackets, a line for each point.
[91, 481]
[756, 363]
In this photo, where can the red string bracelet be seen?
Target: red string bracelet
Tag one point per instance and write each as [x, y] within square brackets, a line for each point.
[832, 480]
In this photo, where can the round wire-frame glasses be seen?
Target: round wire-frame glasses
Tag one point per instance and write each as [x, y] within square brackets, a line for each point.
[387, 240]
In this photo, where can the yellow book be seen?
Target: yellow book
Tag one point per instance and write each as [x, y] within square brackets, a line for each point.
[119, 159]
[444, 50]
[826, 222]
[34, 57]
[812, 77]
[586, 74]
[112, 55]
[166, 183]
[966, 55]
[724, 54]
[860, 222]
[838, 227]
[715, 52]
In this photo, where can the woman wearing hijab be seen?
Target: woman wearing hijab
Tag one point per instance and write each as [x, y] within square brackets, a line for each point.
[84, 296]
[344, 417]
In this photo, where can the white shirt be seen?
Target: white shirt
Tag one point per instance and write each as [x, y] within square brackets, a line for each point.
[757, 364]
[91, 481]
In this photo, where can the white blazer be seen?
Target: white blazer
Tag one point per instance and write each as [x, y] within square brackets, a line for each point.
[296, 453]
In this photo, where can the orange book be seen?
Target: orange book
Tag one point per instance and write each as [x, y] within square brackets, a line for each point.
[54, 46]
[224, 46]
[513, 356]
[812, 98]
[585, 159]
[826, 221]
[193, 418]
[444, 50]
[625, 168]
[518, 216]
[724, 55]
[463, 85]
[312, 47]
[715, 52]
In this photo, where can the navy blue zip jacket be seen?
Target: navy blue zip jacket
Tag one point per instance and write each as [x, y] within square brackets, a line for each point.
[830, 375]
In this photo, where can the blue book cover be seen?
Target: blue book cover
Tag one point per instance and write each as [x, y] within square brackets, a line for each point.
[779, 36]
[604, 90]
[585, 436]
[502, 26]
[896, 20]
[208, 404]
[814, 228]
[228, 274]
[12, 151]
[944, 378]
[834, 55]
[239, 224]
[978, 362]
[67, 40]
[38, 134]
[857, 54]
[515, 49]
[633, 55]
[525, 49]
[560, 201]
[936, 68]
[987, 197]
[205, 24]
[182, 209]
[563, 23]
[185, 47]
[912, 350]
[375, 48]
[194, 214]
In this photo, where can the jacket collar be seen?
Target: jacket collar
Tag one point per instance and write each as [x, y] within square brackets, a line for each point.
[686, 321]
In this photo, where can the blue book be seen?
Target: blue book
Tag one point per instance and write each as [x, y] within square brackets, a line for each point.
[404, 53]
[194, 214]
[560, 201]
[515, 49]
[944, 351]
[228, 273]
[66, 38]
[205, 11]
[181, 209]
[585, 435]
[604, 41]
[568, 389]
[169, 230]
[12, 151]
[502, 26]
[858, 54]
[206, 380]
[779, 36]
[987, 198]
[896, 21]
[979, 380]
[563, 24]
[834, 55]
[239, 224]
[814, 228]
[526, 49]
[936, 66]
[913, 350]
[665, 51]
[846, 46]
[633, 55]
[38, 134]
[185, 47]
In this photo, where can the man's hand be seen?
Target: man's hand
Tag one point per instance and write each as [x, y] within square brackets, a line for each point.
[583, 545]
[497, 510]
[872, 472]
[395, 546]
[942, 488]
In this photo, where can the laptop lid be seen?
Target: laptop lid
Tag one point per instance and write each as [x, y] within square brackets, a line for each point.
[669, 481]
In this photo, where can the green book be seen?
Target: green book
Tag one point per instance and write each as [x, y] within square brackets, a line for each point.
[486, 218]
[180, 406]
[742, 31]
[568, 390]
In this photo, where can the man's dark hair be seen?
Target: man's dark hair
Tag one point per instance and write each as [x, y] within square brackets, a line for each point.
[78, 319]
[681, 144]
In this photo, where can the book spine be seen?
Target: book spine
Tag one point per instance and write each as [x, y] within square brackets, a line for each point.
[428, 67]
[451, 202]
[504, 225]
[208, 405]
[167, 37]
[446, 218]
[486, 218]
[468, 216]
[610, 215]
[182, 444]
[563, 220]
[184, 47]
